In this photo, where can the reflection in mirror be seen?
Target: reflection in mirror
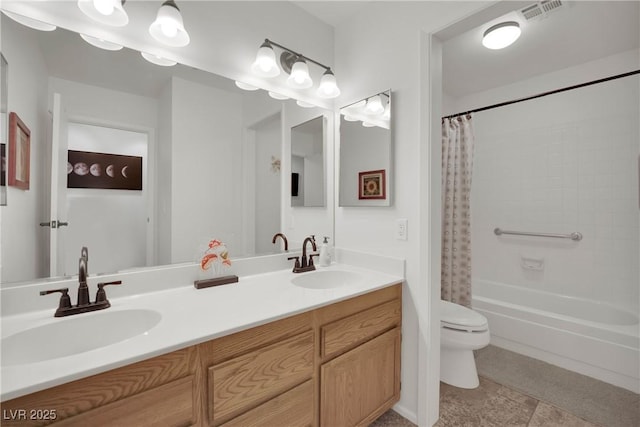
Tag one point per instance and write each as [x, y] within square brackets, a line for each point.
[308, 181]
[366, 152]
[212, 159]
[4, 130]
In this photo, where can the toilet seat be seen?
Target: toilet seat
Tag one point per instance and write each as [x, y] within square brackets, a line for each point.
[459, 318]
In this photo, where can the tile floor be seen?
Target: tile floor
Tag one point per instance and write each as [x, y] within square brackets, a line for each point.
[490, 405]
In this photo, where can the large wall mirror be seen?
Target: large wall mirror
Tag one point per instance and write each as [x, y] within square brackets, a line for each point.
[366, 152]
[214, 160]
[308, 178]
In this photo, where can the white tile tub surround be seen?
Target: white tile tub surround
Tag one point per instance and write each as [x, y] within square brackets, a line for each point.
[189, 316]
[561, 164]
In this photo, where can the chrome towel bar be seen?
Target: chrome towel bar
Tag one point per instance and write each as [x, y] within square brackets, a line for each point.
[573, 236]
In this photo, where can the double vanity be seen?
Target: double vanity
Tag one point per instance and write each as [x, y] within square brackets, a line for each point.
[276, 348]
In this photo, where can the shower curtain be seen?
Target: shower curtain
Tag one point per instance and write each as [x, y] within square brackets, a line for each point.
[457, 161]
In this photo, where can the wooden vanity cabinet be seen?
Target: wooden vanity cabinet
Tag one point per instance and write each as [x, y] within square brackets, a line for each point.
[335, 366]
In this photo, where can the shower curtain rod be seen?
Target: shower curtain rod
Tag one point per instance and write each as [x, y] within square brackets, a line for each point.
[515, 101]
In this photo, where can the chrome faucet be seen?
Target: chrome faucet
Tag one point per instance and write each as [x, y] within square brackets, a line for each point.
[65, 308]
[284, 239]
[307, 263]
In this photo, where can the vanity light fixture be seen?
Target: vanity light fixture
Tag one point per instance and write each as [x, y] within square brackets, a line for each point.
[168, 28]
[374, 105]
[102, 44]
[30, 22]
[295, 64]
[158, 60]
[108, 12]
[501, 35]
[265, 64]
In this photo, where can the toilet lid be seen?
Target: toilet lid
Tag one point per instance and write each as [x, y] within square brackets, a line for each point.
[455, 316]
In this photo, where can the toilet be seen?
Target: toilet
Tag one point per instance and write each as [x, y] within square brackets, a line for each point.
[462, 330]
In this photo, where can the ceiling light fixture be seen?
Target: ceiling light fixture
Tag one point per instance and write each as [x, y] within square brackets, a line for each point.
[30, 22]
[295, 64]
[168, 28]
[158, 60]
[501, 35]
[108, 12]
[102, 44]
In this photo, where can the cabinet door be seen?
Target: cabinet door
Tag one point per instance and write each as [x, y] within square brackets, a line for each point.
[358, 386]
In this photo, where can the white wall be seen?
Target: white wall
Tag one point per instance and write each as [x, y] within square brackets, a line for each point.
[362, 149]
[268, 146]
[206, 165]
[130, 114]
[399, 37]
[112, 224]
[24, 242]
[559, 164]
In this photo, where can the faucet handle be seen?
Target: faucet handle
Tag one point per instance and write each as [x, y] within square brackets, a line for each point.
[297, 264]
[101, 295]
[65, 300]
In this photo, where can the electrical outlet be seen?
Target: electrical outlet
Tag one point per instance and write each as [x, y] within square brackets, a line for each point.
[401, 228]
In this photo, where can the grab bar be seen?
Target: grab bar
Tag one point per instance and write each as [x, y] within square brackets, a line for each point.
[577, 236]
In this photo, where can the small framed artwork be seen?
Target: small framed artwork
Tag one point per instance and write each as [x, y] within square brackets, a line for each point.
[19, 153]
[87, 169]
[372, 185]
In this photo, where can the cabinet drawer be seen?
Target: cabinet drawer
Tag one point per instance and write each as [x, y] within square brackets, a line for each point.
[350, 331]
[292, 408]
[164, 406]
[77, 397]
[249, 380]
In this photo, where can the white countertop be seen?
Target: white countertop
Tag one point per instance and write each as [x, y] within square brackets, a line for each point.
[189, 316]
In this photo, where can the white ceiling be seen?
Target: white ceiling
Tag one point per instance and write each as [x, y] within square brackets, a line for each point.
[332, 12]
[579, 32]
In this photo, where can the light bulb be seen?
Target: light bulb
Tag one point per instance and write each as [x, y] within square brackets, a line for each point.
[265, 64]
[299, 77]
[108, 12]
[501, 35]
[105, 7]
[328, 87]
[374, 105]
[168, 28]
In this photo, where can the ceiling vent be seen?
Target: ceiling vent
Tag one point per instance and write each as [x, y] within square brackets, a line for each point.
[541, 9]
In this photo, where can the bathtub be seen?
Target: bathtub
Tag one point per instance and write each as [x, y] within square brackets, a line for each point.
[590, 337]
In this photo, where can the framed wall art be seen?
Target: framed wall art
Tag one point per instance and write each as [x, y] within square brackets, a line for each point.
[86, 169]
[19, 153]
[372, 185]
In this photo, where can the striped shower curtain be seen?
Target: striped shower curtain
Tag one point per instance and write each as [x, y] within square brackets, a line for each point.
[457, 161]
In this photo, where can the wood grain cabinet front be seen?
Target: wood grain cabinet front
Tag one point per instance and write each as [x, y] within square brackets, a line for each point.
[335, 366]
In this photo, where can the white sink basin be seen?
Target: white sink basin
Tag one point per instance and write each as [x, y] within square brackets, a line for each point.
[327, 279]
[75, 334]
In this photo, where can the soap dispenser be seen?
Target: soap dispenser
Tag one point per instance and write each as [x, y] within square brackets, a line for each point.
[325, 253]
